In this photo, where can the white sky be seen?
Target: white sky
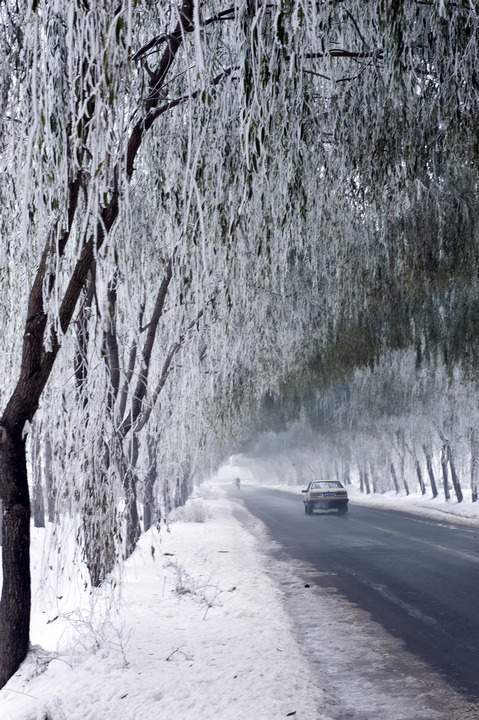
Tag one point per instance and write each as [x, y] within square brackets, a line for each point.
[207, 627]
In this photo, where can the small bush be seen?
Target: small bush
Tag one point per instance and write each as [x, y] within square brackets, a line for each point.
[193, 512]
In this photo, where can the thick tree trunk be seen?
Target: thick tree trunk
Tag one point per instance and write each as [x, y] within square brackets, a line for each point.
[16, 591]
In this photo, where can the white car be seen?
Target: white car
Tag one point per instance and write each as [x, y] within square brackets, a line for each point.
[325, 495]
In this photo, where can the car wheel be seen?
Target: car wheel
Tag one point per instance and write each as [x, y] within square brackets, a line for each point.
[306, 509]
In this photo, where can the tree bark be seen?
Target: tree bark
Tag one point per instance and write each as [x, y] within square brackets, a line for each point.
[445, 473]
[38, 503]
[101, 534]
[402, 462]
[455, 479]
[474, 466]
[395, 479]
[419, 477]
[150, 513]
[366, 482]
[47, 480]
[16, 591]
[430, 472]
[130, 482]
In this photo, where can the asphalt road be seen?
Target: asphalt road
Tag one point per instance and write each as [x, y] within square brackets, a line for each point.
[417, 577]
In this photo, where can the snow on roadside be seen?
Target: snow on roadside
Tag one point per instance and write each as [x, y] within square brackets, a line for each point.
[200, 632]
[419, 504]
[203, 625]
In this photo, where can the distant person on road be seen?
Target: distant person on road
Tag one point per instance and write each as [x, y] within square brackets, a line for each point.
[238, 483]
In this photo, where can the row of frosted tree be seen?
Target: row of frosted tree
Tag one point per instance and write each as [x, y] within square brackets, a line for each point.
[201, 204]
[398, 427]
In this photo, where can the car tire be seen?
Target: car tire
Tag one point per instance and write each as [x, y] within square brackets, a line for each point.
[306, 509]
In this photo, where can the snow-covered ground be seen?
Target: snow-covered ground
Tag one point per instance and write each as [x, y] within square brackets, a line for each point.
[204, 625]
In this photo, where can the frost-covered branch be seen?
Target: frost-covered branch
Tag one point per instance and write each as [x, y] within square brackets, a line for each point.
[145, 415]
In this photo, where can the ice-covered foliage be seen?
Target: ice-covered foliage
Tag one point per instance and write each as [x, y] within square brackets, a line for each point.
[398, 425]
[255, 186]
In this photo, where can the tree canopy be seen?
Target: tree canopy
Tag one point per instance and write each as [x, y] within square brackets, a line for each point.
[205, 206]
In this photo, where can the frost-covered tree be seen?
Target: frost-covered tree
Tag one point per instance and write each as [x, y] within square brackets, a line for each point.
[276, 155]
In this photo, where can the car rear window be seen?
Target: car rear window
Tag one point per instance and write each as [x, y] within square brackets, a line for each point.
[326, 485]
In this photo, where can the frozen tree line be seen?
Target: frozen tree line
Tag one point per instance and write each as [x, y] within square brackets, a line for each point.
[397, 426]
[202, 204]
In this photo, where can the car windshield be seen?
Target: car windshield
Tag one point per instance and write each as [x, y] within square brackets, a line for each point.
[326, 485]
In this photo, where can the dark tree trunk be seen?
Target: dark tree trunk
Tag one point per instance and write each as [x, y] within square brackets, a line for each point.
[419, 477]
[149, 505]
[430, 472]
[16, 591]
[445, 472]
[100, 527]
[395, 479]
[130, 482]
[474, 465]
[133, 529]
[455, 479]
[403, 474]
[474, 479]
[366, 483]
[347, 476]
[38, 504]
[47, 480]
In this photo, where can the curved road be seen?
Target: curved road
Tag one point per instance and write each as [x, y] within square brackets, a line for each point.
[416, 576]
